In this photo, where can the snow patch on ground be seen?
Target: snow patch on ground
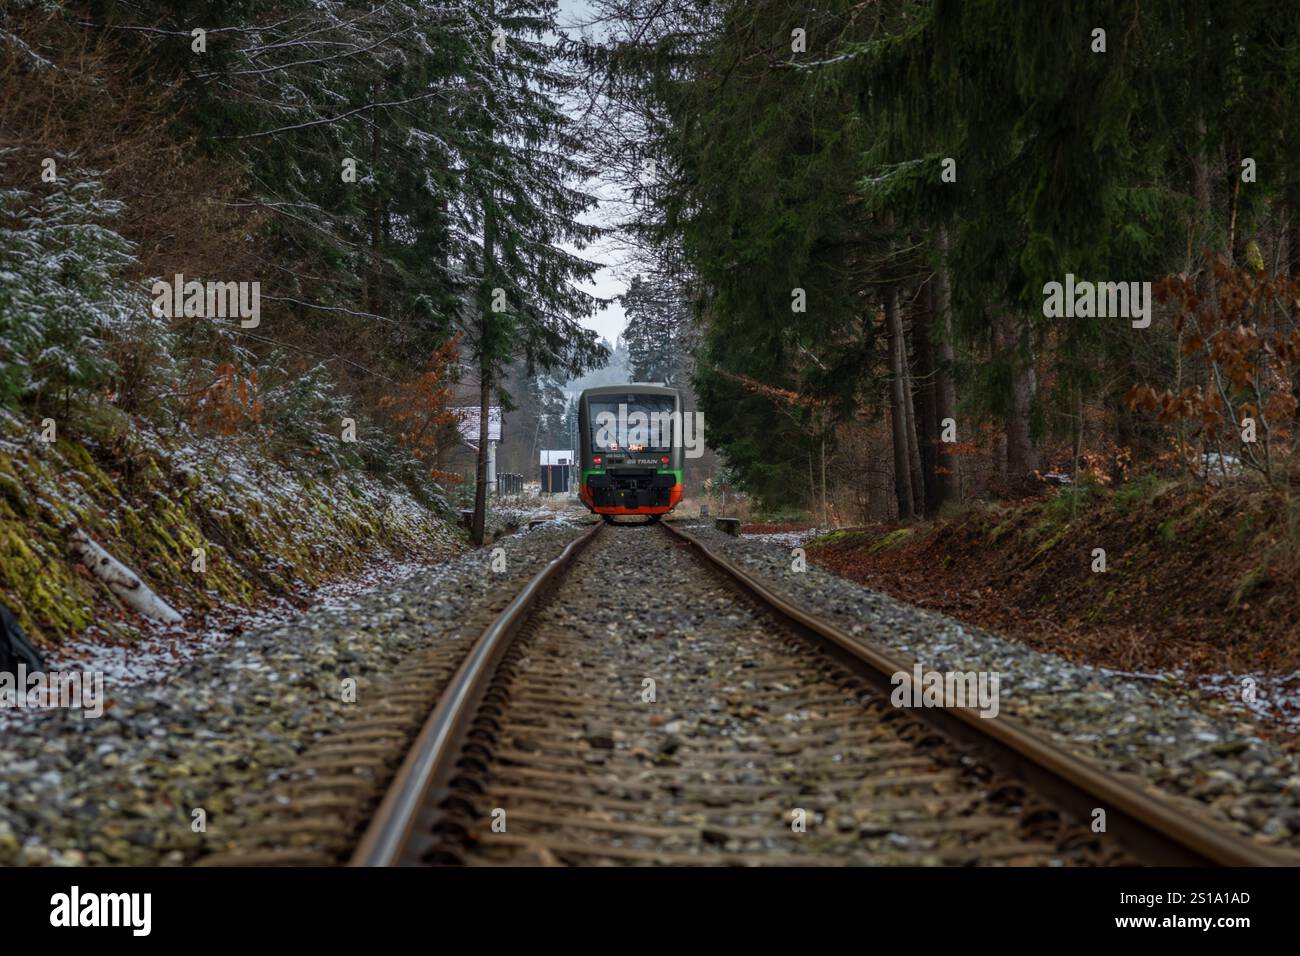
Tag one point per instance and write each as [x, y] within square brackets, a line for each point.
[556, 512]
[162, 651]
[788, 539]
[1273, 698]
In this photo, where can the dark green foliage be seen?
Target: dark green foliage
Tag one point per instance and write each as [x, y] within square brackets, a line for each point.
[822, 170]
[657, 331]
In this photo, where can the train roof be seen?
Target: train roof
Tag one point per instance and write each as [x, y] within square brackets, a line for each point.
[629, 388]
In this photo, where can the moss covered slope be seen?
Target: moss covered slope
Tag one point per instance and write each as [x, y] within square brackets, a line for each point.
[264, 529]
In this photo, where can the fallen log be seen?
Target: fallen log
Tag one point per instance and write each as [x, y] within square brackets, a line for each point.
[121, 580]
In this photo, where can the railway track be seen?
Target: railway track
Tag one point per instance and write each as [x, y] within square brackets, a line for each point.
[642, 700]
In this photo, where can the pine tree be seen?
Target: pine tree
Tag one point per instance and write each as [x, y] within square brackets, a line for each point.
[63, 288]
[519, 167]
[656, 331]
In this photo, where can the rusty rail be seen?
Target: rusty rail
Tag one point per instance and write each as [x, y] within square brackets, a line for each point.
[1152, 827]
[390, 839]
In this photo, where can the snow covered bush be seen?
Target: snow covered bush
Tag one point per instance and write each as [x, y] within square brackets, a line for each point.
[304, 414]
[61, 290]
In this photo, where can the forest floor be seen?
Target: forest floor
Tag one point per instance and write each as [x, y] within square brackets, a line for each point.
[1200, 584]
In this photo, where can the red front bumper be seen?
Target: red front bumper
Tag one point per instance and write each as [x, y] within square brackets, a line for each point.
[674, 497]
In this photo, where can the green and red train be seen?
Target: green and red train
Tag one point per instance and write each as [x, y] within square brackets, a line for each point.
[631, 450]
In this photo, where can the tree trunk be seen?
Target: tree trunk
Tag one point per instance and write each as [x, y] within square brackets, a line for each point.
[1293, 234]
[897, 406]
[826, 520]
[1076, 428]
[121, 580]
[485, 375]
[480, 477]
[913, 448]
[1292, 267]
[1021, 457]
[374, 281]
[812, 484]
[1201, 189]
[927, 420]
[945, 394]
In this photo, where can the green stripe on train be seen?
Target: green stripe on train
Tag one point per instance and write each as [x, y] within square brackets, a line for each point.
[587, 473]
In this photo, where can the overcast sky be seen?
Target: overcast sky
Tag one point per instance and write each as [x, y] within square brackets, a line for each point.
[608, 322]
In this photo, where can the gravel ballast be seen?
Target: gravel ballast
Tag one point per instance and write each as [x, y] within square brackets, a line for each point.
[1209, 753]
[663, 719]
[210, 732]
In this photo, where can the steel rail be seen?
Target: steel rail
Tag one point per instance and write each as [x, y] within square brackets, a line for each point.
[1152, 827]
[431, 762]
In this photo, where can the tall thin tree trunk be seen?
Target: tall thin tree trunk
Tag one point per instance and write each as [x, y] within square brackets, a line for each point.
[897, 406]
[480, 477]
[913, 447]
[826, 519]
[1076, 427]
[1293, 234]
[927, 421]
[944, 391]
[485, 374]
[1290, 264]
[1201, 190]
[373, 281]
[812, 484]
[1021, 457]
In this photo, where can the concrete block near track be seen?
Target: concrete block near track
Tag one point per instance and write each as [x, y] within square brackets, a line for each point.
[729, 526]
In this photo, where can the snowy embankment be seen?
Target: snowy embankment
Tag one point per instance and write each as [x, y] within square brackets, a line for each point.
[108, 535]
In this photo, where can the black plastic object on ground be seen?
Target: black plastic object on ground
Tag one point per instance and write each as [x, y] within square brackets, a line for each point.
[15, 648]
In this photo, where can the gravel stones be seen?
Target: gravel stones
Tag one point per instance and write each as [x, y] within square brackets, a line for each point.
[211, 733]
[650, 714]
[1188, 746]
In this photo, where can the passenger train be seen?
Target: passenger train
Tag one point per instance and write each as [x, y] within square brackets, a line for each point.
[631, 450]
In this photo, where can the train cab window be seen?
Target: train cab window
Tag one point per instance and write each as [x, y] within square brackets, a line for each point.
[631, 423]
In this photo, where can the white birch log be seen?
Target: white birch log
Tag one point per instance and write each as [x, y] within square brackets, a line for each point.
[132, 591]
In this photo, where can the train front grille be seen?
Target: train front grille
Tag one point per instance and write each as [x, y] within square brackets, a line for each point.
[631, 488]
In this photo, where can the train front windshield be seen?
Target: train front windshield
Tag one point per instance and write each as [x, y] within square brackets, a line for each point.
[643, 424]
